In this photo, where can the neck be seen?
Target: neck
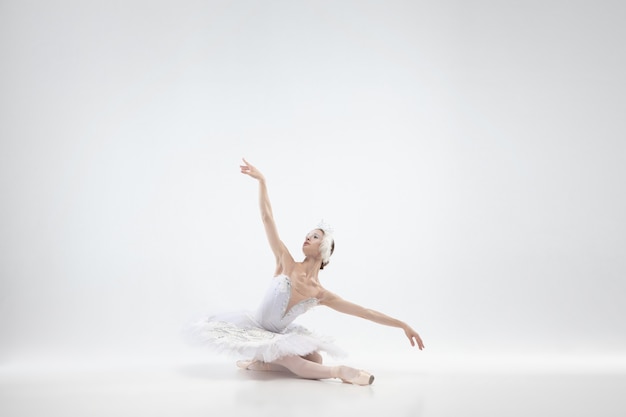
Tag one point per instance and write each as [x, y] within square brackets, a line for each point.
[312, 267]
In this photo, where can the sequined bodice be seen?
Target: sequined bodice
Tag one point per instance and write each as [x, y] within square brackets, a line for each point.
[272, 313]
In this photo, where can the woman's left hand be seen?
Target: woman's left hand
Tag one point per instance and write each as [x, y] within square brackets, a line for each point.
[413, 337]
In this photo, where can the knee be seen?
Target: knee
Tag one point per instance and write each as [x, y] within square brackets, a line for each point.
[314, 357]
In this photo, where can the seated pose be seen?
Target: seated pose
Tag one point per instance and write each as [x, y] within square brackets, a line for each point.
[269, 338]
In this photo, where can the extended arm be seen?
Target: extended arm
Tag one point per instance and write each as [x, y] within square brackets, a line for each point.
[337, 303]
[278, 248]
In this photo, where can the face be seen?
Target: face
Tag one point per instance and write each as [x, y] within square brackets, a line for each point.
[312, 242]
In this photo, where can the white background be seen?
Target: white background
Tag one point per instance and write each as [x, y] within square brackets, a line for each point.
[470, 156]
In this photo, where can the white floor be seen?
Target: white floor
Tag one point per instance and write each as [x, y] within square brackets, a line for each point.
[206, 388]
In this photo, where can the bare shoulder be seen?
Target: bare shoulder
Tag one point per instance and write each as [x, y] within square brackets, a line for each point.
[337, 303]
[326, 297]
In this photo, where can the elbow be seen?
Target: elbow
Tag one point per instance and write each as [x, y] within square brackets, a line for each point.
[367, 314]
[266, 216]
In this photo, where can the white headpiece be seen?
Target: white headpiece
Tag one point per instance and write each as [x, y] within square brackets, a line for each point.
[322, 225]
[327, 241]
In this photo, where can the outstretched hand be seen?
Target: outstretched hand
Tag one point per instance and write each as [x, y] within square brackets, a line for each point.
[250, 170]
[414, 337]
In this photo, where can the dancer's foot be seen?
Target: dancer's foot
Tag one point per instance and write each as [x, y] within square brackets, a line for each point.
[245, 364]
[355, 376]
[257, 365]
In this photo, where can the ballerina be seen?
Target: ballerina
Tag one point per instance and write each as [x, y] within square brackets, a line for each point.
[270, 337]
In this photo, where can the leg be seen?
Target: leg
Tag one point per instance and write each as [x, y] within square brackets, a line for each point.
[314, 357]
[312, 370]
[257, 365]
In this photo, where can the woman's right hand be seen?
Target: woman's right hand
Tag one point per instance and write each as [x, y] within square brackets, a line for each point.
[251, 170]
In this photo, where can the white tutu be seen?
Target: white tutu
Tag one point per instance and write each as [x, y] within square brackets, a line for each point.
[268, 335]
[239, 333]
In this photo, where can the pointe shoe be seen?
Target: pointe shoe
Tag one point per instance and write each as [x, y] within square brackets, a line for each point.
[362, 378]
[254, 365]
[246, 364]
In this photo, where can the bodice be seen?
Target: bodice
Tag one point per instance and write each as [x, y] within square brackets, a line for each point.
[272, 313]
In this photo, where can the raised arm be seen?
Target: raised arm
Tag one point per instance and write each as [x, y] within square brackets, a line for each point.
[337, 303]
[278, 248]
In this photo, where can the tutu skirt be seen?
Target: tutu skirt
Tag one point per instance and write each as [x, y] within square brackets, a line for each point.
[239, 333]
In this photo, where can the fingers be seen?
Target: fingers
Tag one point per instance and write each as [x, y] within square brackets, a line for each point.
[415, 339]
[245, 169]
